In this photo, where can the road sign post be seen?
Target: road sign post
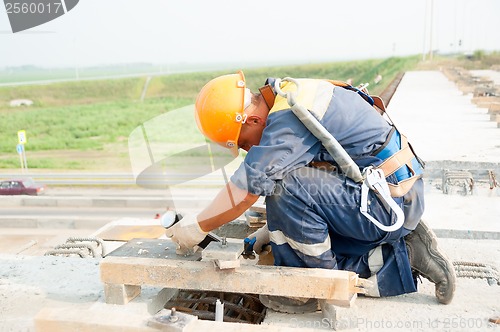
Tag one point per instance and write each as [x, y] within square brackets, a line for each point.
[21, 137]
[20, 150]
[25, 161]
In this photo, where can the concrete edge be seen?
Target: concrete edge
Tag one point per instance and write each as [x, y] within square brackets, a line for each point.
[91, 223]
[52, 222]
[466, 234]
[45, 201]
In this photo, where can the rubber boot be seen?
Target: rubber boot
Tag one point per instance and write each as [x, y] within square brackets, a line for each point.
[428, 260]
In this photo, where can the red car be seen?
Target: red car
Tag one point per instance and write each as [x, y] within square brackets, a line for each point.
[21, 187]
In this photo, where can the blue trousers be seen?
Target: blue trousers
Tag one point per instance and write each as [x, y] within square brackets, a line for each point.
[314, 221]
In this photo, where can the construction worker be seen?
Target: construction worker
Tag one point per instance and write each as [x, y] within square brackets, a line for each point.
[313, 208]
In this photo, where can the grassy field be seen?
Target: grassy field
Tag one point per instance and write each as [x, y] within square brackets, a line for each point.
[85, 125]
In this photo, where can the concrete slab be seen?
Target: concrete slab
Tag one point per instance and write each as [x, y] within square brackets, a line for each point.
[73, 283]
[493, 75]
[441, 123]
[467, 213]
[474, 303]
[125, 229]
[35, 241]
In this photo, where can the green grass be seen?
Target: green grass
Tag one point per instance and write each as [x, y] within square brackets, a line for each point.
[98, 115]
[359, 71]
[73, 92]
[41, 163]
[32, 73]
[79, 127]
[188, 85]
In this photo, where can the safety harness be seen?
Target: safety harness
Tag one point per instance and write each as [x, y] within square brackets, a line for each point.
[396, 152]
[398, 157]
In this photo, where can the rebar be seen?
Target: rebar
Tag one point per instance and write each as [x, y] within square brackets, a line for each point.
[458, 178]
[477, 271]
[66, 252]
[212, 300]
[99, 242]
[493, 180]
[87, 246]
[241, 308]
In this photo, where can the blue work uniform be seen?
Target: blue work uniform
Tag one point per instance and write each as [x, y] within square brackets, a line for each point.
[313, 214]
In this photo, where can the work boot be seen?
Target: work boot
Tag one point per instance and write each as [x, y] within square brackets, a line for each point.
[289, 305]
[427, 259]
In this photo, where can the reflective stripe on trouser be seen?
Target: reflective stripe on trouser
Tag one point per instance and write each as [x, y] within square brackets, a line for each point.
[311, 209]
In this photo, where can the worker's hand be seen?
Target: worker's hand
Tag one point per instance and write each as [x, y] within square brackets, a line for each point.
[187, 234]
[262, 244]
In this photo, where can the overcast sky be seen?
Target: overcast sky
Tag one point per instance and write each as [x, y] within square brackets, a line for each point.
[101, 32]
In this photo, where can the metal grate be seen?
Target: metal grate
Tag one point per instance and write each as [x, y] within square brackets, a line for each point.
[238, 308]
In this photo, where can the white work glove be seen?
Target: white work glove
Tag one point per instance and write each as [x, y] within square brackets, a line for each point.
[262, 244]
[187, 234]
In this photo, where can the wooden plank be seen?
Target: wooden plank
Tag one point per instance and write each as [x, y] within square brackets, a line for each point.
[108, 318]
[494, 107]
[225, 256]
[485, 100]
[120, 294]
[335, 285]
[231, 251]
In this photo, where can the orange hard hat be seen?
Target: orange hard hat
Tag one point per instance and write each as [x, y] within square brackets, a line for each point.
[219, 109]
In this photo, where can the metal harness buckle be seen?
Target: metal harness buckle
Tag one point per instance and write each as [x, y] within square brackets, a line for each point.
[375, 180]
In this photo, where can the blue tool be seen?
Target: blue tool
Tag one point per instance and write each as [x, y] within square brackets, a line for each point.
[248, 251]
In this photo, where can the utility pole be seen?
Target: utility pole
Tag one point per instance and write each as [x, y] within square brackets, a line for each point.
[430, 32]
[424, 46]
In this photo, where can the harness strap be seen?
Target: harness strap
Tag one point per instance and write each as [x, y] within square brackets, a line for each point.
[268, 93]
[403, 187]
[397, 160]
[269, 96]
[363, 92]
[339, 83]
[390, 165]
[378, 104]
